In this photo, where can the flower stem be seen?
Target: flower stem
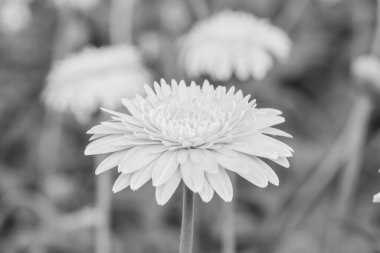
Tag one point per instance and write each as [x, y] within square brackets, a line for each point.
[376, 37]
[228, 237]
[200, 8]
[103, 199]
[121, 21]
[228, 233]
[187, 228]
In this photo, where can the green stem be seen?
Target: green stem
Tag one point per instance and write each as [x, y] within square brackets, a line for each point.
[228, 243]
[187, 228]
[200, 8]
[103, 199]
[121, 21]
[228, 236]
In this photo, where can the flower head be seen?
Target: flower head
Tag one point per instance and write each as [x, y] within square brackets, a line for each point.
[190, 133]
[233, 42]
[83, 82]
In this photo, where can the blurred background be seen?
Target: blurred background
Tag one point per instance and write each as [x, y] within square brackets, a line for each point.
[324, 201]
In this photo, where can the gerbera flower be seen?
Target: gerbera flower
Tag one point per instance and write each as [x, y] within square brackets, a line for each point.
[195, 134]
[233, 42]
[366, 68]
[96, 77]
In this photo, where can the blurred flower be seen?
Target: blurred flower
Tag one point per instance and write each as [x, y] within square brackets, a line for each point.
[81, 5]
[376, 198]
[15, 16]
[233, 42]
[96, 77]
[192, 133]
[366, 68]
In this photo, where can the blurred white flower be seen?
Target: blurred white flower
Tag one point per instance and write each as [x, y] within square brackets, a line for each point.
[15, 15]
[195, 134]
[366, 68]
[376, 198]
[233, 42]
[81, 5]
[95, 77]
[331, 2]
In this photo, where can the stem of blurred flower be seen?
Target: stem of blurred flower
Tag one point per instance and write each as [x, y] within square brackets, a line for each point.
[200, 8]
[71, 33]
[50, 142]
[120, 31]
[292, 14]
[354, 161]
[121, 21]
[376, 37]
[348, 180]
[187, 227]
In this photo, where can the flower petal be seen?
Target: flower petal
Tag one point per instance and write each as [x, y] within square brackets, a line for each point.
[136, 158]
[182, 155]
[276, 132]
[140, 177]
[165, 167]
[282, 161]
[235, 164]
[104, 145]
[264, 121]
[196, 155]
[166, 191]
[256, 174]
[193, 175]
[121, 182]
[209, 163]
[221, 183]
[110, 162]
[207, 192]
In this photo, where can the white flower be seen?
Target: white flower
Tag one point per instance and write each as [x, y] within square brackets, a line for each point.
[15, 16]
[81, 5]
[233, 42]
[376, 198]
[367, 68]
[195, 134]
[95, 77]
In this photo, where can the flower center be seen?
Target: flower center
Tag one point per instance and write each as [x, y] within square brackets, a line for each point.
[189, 120]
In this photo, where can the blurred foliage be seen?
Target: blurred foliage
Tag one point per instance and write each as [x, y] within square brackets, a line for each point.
[47, 185]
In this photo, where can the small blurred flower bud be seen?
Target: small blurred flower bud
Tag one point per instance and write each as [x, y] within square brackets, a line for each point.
[366, 69]
[15, 16]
